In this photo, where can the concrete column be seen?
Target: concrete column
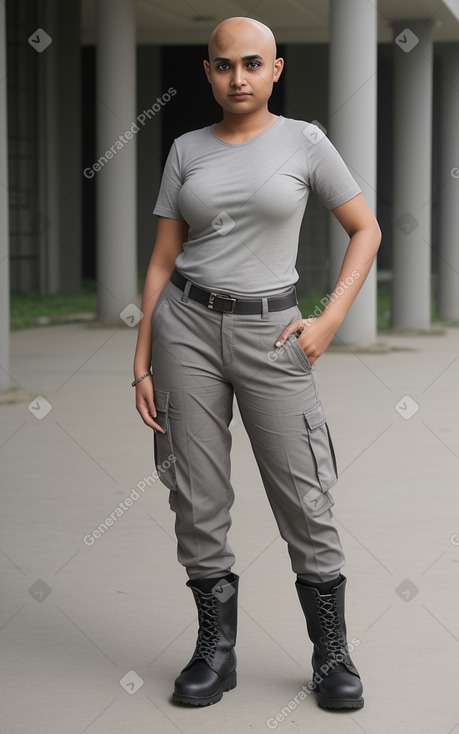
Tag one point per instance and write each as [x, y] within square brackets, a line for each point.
[448, 222]
[352, 129]
[411, 233]
[116, 179]
[4, 226]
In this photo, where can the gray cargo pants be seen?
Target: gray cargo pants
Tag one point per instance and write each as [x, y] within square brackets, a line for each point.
[200, 359]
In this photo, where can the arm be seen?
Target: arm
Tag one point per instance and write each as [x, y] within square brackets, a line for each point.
[356, 217]
[170, 236]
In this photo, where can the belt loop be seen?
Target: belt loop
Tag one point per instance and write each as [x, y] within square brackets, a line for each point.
[264, 308]
[186, 291]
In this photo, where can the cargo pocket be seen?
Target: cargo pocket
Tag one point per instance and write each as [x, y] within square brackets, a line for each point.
[321, 447]
[164, 452]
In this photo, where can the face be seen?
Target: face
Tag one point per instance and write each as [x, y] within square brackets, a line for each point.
[242, 66]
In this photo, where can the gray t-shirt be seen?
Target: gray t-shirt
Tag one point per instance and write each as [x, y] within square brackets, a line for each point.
[244, 202]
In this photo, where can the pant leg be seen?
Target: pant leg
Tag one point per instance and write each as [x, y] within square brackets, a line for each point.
[194, 403]
[280, 407]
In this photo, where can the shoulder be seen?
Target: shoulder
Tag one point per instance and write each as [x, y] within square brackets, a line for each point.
[193, 137]
[303, 130]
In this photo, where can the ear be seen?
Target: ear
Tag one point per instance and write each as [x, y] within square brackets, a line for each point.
[278, 67]
[206, 69]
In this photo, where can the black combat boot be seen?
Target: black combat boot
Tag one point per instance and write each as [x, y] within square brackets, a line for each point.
[212, 669]
[337, 680]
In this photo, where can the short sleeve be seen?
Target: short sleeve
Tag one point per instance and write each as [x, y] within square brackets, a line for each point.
[329, 177]
[171, 183]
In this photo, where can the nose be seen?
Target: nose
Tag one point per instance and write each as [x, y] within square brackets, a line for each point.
[238, 79]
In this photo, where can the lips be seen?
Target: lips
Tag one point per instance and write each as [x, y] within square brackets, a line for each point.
[242, 94]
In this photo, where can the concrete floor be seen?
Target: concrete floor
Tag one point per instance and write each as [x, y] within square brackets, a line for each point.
[76, 619]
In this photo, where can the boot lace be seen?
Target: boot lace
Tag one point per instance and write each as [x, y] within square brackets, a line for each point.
[208, 632]
[333, 638]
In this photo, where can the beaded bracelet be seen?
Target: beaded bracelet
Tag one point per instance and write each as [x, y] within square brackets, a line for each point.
[139, 379]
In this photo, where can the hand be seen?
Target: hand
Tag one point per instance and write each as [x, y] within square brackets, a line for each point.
[316, 335]
[145, 405]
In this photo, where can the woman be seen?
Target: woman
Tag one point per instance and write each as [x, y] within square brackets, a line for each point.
[221, 319]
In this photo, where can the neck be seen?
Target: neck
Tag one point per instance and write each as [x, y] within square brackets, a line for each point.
[235, 124]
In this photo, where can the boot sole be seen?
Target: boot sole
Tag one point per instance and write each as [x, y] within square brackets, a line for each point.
[340, 704]
[227, 685]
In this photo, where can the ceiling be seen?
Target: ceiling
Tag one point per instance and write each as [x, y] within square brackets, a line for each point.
[292, 21]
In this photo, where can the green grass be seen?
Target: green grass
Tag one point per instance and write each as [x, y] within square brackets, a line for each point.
[27, 307]
[308, 303]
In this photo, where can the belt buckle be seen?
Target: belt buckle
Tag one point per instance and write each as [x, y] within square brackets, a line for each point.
[223, 297]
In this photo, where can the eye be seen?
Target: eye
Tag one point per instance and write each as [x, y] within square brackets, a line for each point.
[219, 67]
[256, 64]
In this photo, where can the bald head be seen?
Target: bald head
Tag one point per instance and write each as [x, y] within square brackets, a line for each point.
[247, 30]
[242, 55]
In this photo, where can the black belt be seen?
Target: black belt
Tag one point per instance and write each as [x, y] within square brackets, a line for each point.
[230, 304]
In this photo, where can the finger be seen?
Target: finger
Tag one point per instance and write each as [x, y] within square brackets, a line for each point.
[150, 400]
[156, 427]
[147, 417]
[153, 414]
[148, 420]
[290, 329]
